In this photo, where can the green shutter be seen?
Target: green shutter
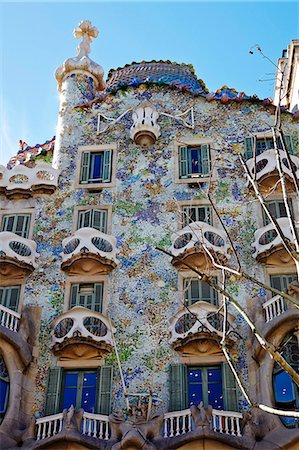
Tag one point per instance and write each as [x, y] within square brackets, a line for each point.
[85, 166]
[74, 295]
[205, 159]
[183, 156]
[178, 387]
[98, 297]
[107, 166]
[249, 148]
[104, 387]
[230, 390]
[289, 143]
[53, 391]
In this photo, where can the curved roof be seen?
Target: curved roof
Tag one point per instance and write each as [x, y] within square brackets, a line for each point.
[178, 76]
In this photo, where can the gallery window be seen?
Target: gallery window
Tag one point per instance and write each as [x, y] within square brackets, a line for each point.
[196, 290]
[10, 296]
[16, 223]
[87, 389]
[281, 282]
[194, 161]
[265, 143]
[196, 214]
[88, 295]
[94, 218]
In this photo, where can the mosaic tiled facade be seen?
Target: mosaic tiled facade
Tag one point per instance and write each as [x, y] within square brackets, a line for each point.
[142, 201]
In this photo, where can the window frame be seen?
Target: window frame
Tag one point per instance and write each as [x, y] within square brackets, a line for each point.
[22, 212]
[193, 143]
[91, 150]
[188, 301]
[15, 282]
[94, 304]
[81, 209]
[185, 275]
[259, 136]
[86, 280]
[6, 289]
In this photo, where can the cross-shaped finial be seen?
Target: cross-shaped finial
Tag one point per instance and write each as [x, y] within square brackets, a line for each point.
[86, 31]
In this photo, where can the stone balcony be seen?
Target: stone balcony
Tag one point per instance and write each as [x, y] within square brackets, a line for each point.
[23, 182]
[89, 251]
[268, 247]
[17, 255]
[81, 333]
[187, 246]
[192, 327]
[266, 171]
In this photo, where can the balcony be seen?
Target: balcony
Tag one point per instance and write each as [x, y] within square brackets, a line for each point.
[81, 333]
[23, 182]
[90, 252]
[268, 247]
[187, 246]
[198, 328]
[9, 319]
[267, 171]
[17, 255]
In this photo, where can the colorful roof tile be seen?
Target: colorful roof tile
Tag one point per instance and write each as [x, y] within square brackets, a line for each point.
[27, 153]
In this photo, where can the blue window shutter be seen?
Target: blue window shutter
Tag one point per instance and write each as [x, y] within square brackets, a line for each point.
[85, 167]
[107, 168]
[178, 387]
[249, 148]
[104, 387]
[53, 391]
[289, 143]
[230, 391]
[183, 160]
[205, 159]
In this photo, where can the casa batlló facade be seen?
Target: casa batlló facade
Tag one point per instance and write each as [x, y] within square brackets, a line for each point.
[109, 337]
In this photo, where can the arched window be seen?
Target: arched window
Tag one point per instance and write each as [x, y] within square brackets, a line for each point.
[4, 388]
[286, 392]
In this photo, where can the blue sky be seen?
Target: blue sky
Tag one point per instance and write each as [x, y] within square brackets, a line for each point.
[213, 36]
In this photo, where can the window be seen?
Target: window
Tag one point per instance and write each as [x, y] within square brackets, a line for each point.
[94, 218]
[4, 388]
[9, 297]
[286, 392]
[96, 167]
[281, 282]
[265, 143]
[196, 214]
[87, 389]
[194, 161]
[213, 385]
[16, 223]
[277, 209]
[89, 295]
[196, 290]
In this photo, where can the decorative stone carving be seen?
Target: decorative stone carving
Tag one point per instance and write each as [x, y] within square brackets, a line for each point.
[187, 245]
[89, 251]
[201, 415]
[257, 424]
[81, 333]
[82, 63]
[145, 130]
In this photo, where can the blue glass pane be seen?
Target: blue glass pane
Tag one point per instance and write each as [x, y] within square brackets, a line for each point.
[97, 166]
[194, 375]
[194, 394]
[214, 375]
[3, 394]
[283, 388]
[195, 161]
[88, 399]
[69, 397]
[71, 379]
[89, 379]
[215, 395]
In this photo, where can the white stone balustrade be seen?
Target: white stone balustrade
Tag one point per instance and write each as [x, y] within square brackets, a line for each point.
[48, 426]
[28, 179]
[197, 233]
[83, 322]
[201, 315]
[274, 307]
[96, 425]
[89, 240]
[9, 319]
[266, 163]
[265, 239]
[177, 423]
[17, 247]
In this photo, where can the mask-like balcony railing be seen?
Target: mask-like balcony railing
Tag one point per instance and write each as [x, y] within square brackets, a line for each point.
[89, 250]
[23, 181]
[82, 326]
[16, 254]
[265, 167]
[201, 320]
[9, 319]
[187, 245]
[268, 245]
